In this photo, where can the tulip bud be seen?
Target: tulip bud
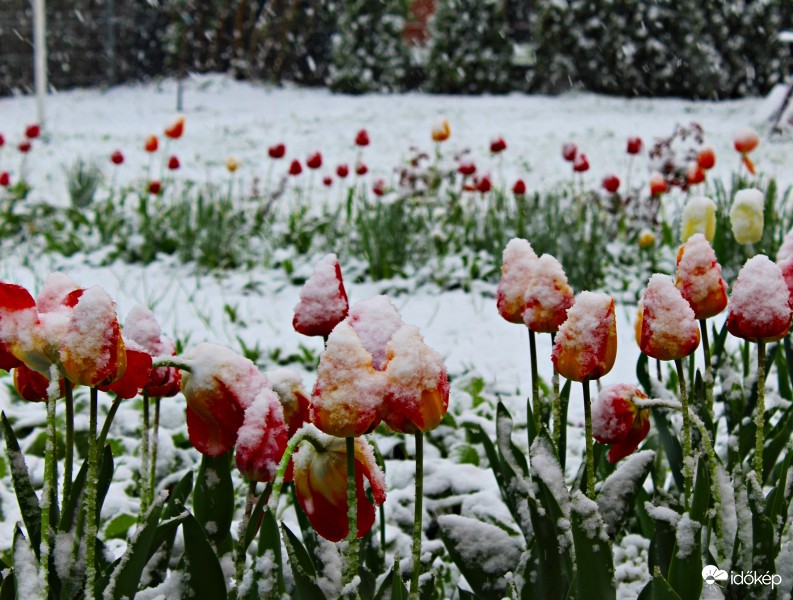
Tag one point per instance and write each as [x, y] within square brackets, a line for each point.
[277, 151]
[362, 138]
[547, 296]
[151, 144]
[342, 171]
[699, 216]
[155, 187]
[616, 420]
[327, 181]
[519, 189]
[586, 344]
[694, 174]
[517, 265]
[173, 163]
[232, 164]
[484, 184]
[262, 438]
[699, 278]
[378, 187]
[32, 132]
[658, 184]
[580, 163]
[323, 300]
[466, 169]
[759, 308]
[746, 216]
[746, 140]
[569, 151]
[706, 158]
[441, 131]
[634, 145]
[24, 146]
[611, 183]
[175, 131]
[669, 328]
[497, 145]
[314, 161]
[117, 157]
[5, 179]
[361, 168]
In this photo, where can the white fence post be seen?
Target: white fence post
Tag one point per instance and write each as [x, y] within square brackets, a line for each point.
[40, 56]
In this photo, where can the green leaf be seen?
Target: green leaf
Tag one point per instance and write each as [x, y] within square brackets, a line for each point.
[23, 551]
[105, 469]
[514, 469]
[465, 594]
[119, 525]
[775, 441]
[777, 502]
[8, 589]
[685, 567]
[309, 535]
[204, 576]
[594, 566]
[26, 497]
[484, 553]
[269, 541]
[658, 588]
[564, 400]
[303, 570]
[672, 447]
[213, 498]
[662, 547]
[763, 550]
[126, 576]
[256, 516]
[392, 588]
[618, 493]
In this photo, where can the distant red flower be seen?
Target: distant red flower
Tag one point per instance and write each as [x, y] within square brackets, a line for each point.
[634, 145]
[277, 151]
[295, 168]
[175, 131]
[658, 184]
[327, 181]
[5, 179]
[498, 145]
[466, 168]
[484, 184]
[362, 138]
[342, 171]
[580, 163]
[24, 146]
[32, 132]
[151, 144]
[2, 140]
[173, 163]
[117, 158]
[611, 183]
[616, 420]
[361, 168]
[569, 151]
[706, 158]
[519, 189]
[695, 174]
[155, 187]
[314, 161]
[379, 187]
[323, 300]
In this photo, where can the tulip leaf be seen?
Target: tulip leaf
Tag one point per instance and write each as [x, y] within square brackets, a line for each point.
[763, 552]
[564, 403]
[685, 567]
[618, 493]
[125, 578]
[268, 565]
[484, 553]
[393, 587]
[777, 501]
[204, 576]
[658, 588]
[8, 589]
[594, 566]
[465, 594]
[26, 498]
[309, 535]
[105, 469]
[775, 441]
[213, 498]
[303, 571]
[672, 447]
[514, 469]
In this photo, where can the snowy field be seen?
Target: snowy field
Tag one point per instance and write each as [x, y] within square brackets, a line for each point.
[227, 118]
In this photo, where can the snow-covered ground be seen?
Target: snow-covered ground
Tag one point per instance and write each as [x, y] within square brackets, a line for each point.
[226, 118]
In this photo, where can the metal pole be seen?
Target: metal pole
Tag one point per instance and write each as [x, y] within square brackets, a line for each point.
[40, 56]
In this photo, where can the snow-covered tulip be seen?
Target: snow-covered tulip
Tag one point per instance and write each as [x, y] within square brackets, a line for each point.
[361, 168]
[746, 140]
[746, 216]
[151, 144]
[32, 131]
[173, 163]
[378, 187]
[547, 296]
[33, 386]
[441, 131]
[277, 151]
[706, 158]
[699, 278]
[232, 164]
[320, 480]
[117, 158]
[517, 265]
[497, 145]
[323, 301]
[262, 438]
[362, 138]
[569, 151]
[786, 249]
[617, 421]
[699, 216]
[294, 399]
[314, 161]
[634, 145]
[18, 319]
[586, 344]
[466, 168]
[581, 163]
[220, 385]
[759, 308]
[611, 183]
[484, 184]
[694, 174]
[519, 188]
[342, 171]
[417, 388]
[175, 130]
[657, 184]
[142, 327]
[24, 146]
[136, 374]
[669, 329]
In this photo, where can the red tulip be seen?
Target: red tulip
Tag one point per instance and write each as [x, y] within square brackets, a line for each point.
[547, 296]
[173, 163]
[519, 188]
[466, 169]
[581, 164]
[517, 267]
[658, 184]
[695, 175]
[362, 138]
[33, 386]
[327, 181]
[5, 179]
[706, 158]
[136, 375]
[484, 184]
[699, 278]
[321, 486]
[155, 187]
[323, 300]
[175, 131]
[277, 151]
[32, 132]
[342, 171]
[151, 144]
[142, 328]
[24, 146]
[569, 151]
[611, 183]
[314, 161]
[497, 145]
[295, 168]
[669, 328]
[117, 158]
[759, 308]
[379, 187]
[262, 438]
[634, 145]
[361, 168]
[616, 420]
[286, 383]
[2, 140]
[746, 140]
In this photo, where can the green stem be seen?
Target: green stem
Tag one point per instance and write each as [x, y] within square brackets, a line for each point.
[352, 514]
[759, 419]
[90, 500]
[557, 403]
[688, 475]
[590, 458]
[111, 414]
[169, 362]
[154, 443]
[68, 463]
[703, 326]
[144, 458]
[246, 517]
[48, 493]
[535, 381]
[417, 515]
[714, 478]
[278, 481]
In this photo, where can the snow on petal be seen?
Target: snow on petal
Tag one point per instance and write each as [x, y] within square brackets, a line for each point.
[375, 320]
[759, 308]
[669, 329]
[518, 263]
[699, 278]
[746, 216]
[323, 300]
[262, 438]
[547, 296]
